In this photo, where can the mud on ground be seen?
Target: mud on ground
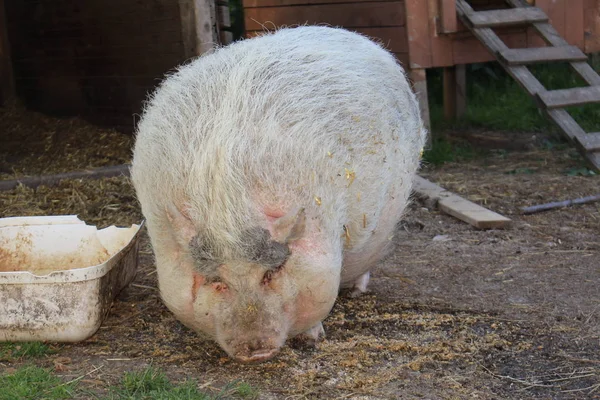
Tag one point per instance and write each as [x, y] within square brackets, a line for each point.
[453, 313]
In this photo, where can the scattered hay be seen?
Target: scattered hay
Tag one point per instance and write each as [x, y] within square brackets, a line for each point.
[34, 144]
[103, 202]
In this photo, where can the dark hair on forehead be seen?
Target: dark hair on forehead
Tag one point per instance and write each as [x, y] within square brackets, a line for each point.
[259, 248]
[256, 246]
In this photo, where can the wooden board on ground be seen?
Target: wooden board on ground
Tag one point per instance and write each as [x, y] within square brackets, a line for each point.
[459, 207]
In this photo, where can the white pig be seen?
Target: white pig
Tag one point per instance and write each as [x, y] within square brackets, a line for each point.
[272, 173]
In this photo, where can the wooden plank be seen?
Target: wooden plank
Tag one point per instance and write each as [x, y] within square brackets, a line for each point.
[592, 26]
[448, 20]
[418, 78]
[458, 207]
[353, 15]
[226, 37]
[493, 43]
[417, 31]
[541, 55]
[223, 17]
[393, 38]
[469, 49]
[281, 3]
[552, 37]
[566, 123]
[508, 17]
[591, 141]
[449, 80]
[441, 45]
[570, 97]
[461, 90]
[574, 21]
[578, 136]
[198, 26]
[556, 12]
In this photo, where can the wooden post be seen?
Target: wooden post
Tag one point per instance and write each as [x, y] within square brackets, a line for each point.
[461, 90]
[449, 93]
[419, 82]
[448, 20]
[454, 92]
[199, 31]
[7, 79]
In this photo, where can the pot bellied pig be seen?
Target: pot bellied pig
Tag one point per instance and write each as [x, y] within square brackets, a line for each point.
[272, 173]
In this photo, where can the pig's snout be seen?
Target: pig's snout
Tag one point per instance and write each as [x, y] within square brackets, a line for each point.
[254, 351]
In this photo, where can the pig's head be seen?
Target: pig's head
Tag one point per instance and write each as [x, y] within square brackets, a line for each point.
[281, 284]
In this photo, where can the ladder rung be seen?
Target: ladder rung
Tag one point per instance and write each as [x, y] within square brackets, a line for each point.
[570, 97]
[590, 142]
[542, 54]
[511, 16]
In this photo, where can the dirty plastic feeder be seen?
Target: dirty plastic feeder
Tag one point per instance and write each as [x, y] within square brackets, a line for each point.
[59, 276]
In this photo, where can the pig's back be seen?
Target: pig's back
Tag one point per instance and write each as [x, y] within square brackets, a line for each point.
[309, 116]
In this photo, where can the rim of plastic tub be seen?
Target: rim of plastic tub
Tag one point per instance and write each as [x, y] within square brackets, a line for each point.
[63, 276]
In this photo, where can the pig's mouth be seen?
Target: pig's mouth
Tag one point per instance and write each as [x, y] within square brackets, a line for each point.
[256, 356]
[254, 351]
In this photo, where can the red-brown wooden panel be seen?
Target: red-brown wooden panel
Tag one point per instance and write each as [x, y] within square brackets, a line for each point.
[556, 11]
[280, 3]
[470, 50]
[392, 38]
[448, 18]
[441, 45]
[353, 15]
[417, 31]
[574, 23]
[534, 39]
[592, 25]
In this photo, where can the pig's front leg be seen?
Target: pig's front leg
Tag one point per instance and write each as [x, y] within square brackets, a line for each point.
[360, 285]
[310, 337]
[314, 333]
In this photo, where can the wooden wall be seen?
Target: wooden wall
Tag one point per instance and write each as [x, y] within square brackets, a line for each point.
[95, 58]
[383, 20]
[591, 20]
[578, 21]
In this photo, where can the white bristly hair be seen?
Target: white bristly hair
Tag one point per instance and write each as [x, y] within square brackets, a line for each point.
[315, 117]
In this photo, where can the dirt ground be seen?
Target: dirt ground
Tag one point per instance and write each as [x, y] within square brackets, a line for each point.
[453, 313]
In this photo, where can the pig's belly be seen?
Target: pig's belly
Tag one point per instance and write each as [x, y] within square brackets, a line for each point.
[358, 261]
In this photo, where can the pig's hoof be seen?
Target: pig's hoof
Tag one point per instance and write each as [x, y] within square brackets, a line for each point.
[309, 338]
[360, 286]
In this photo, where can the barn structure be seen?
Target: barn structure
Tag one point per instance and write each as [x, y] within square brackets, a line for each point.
[99, 58]
[452, 33]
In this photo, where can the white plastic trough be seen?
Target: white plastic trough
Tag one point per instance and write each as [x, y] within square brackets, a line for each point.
[59, 276]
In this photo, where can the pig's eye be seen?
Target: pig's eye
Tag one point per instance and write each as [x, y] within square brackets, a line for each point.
[219, 286]
[216, 283]
[270, 274]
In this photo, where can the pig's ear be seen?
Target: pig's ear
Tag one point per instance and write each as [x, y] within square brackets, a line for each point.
[290, 227]
[181, 223]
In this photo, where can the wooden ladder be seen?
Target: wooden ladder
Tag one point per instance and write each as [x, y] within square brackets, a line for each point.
[515, 61]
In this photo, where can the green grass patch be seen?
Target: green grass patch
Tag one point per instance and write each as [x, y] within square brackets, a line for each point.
[151, 383]
[443, 151]
[32, 382]
[11, 351]
[495, 100]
